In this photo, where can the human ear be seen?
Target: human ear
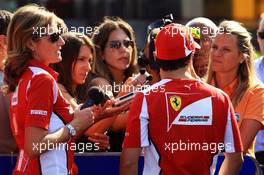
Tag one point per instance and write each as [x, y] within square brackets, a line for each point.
[31, 45]
[243, 57]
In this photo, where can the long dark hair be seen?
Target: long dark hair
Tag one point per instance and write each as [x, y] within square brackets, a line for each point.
[100, 38]
[69, 53]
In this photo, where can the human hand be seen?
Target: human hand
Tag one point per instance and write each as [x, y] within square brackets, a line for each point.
[109, 110]
[82, 118]
[101, 139]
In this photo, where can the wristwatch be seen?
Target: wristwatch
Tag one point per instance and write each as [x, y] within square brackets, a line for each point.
[71, 130]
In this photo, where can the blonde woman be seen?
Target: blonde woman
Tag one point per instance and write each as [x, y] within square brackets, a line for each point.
[231, 70]
[43, 123]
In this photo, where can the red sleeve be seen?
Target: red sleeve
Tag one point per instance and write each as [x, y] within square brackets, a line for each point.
[40, 101]
[137, 124]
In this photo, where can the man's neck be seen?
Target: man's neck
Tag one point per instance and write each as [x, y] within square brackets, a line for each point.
[182, 73]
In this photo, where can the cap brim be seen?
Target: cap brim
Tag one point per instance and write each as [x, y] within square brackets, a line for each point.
[196, 45]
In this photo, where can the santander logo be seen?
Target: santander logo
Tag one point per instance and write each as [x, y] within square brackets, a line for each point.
[197, 113]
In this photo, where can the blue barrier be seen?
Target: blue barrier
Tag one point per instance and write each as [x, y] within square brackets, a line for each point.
[250, 165]
[88, 163]
[108, 164]
[101, 163]
[7, 164]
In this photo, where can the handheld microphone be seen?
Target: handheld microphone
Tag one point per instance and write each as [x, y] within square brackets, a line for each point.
[96, 96]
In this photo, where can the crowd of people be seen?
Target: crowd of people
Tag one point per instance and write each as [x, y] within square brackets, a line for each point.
[206, 90]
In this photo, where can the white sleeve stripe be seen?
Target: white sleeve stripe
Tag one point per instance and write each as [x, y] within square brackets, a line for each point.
[144, 118]
[20, 159]
[28, 86]
[55, 92]
[229, 137]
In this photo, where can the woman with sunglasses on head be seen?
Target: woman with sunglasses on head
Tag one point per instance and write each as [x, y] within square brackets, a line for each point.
[204, 30]
[43, 123]
[231, 70]
[115, 62]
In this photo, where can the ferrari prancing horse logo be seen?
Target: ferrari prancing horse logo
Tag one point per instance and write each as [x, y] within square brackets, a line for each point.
[175, 102]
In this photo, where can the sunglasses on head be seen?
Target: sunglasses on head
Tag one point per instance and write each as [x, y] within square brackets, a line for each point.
[53, 37]
[261, 35]
[118, 43]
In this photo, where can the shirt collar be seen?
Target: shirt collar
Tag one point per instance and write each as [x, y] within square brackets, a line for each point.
[36, 63]
[229, 89]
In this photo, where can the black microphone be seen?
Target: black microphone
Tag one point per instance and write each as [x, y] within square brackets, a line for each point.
[96, 96]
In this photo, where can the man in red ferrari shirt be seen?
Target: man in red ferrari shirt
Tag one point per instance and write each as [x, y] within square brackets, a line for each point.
[180, 122]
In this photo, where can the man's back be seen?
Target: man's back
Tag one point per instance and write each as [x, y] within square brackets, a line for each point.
[183, 124]
[180, 122]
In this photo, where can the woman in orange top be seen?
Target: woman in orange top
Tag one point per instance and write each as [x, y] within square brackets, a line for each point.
[231, 70]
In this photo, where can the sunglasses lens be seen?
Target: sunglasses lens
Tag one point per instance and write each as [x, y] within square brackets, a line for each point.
[54, 37]
[127, 43]
[261, 35]
[115, 44]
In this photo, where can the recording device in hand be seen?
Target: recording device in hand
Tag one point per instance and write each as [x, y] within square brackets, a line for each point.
[124, 98]
[143, 76]
[96, 96]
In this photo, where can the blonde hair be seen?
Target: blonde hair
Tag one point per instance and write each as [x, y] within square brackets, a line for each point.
[100, 39]
[245, 73]
[21, 28]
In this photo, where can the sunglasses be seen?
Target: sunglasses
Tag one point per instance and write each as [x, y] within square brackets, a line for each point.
[196, 34]
[261, 35]
[53, 37]
[118, 43]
